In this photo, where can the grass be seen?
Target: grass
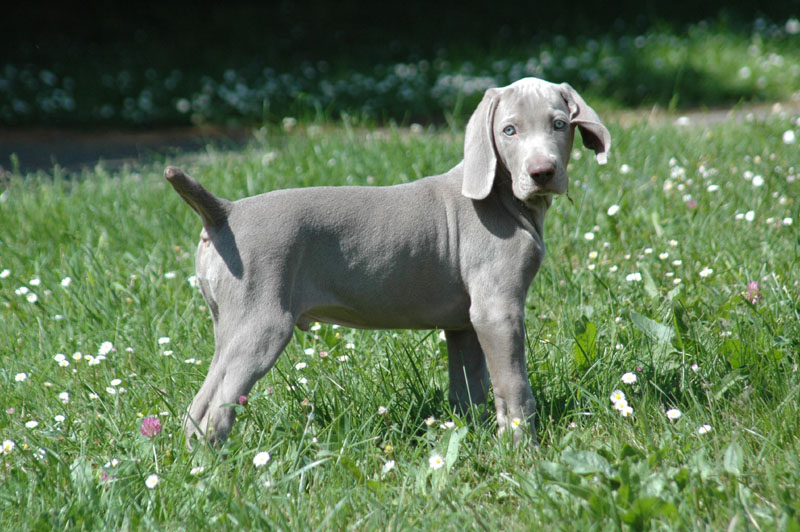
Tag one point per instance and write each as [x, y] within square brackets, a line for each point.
[683, 194]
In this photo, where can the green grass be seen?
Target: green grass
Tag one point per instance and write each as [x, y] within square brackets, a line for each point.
[119, 236]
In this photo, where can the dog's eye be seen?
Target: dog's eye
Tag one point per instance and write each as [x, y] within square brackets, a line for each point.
[510, 130]
[559, 124]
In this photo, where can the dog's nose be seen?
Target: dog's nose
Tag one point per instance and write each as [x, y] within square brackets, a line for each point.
[542, 171]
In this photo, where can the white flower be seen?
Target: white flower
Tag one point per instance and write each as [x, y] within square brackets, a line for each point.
[350, 345]
[58, 357]
[8, 446]
[343, 358]
[787, 221]
[66, 281]
[447, 425]
[713, 188]
[436, 461]
[163, 340]
[431, 421]
[614, 209]
[110, 390]
[588, 236]
[673, 414]
[633, 277]
[617, 396]
[316, 327]
[32, 424]
[32, 298]
[704, 429]
[515, 423]
[388, 466]
[35, 281]
[77, 355]
[116, 382]
[382, 410]
[170, 275]
[261, 459]
[593, 255]
[64, 397]
[22, 290]
[300, 365]
[193, 281]
[105, 348]
[626, 410]
[629, 378]
[624, 169]
[302, 380]
[309, 351]
[168, 352]
[750, 216]
[197, 470]
[5, 273]
[152, 481]
[93, 396]
[59, 418]
[21, 377]
[705, 272]
[758, 181]
[788, 137]
[695, 368]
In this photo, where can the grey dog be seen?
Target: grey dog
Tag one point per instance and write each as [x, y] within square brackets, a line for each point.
[456, 251]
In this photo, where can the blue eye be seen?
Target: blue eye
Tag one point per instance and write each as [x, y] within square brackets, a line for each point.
[509, 130]
[559, 124]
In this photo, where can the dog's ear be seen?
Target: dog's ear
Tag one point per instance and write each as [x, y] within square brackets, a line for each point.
[594, 134]
[480, 156]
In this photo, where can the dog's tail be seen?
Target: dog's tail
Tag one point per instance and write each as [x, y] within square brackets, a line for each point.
[212, 210]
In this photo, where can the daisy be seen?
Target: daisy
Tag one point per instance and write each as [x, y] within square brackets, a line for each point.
[309, 351]
[431, 421]
[152, 481]
[704, 429]
[21, 377]
[629, 378]
[8, 446]
[382, 410]
[515, 423]
[105, 348]
[163, 340]
[261, 459]
[300, 365]
[35, 281]
[64, 397]
[5, 273]
[32, 298]
[59, 418]
[617, 396]
[626, 411]
[388, 466]
[66, 281]
[614, 209]
[705, 272]
[633, 277]
[673, 414]
[589, 236]
[436, 461]
[197, 470]
[32, 424]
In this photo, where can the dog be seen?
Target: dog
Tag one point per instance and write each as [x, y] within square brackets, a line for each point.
[455, 251]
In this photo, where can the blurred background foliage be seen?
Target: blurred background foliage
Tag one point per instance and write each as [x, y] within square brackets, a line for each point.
[154, 64]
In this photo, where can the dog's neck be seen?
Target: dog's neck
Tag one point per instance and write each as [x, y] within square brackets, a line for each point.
[530, 214]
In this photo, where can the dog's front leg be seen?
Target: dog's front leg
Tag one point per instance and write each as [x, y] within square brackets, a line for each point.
[500, 326]
[469, 379]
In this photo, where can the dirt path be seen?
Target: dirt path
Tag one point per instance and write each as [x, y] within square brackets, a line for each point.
[41, 149]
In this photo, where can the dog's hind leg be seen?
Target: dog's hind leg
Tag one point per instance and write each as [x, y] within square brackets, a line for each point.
[244, 353]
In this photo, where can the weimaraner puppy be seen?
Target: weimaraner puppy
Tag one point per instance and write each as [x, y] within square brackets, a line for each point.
[456, 251]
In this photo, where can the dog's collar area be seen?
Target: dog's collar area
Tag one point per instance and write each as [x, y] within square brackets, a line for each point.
[529, 217]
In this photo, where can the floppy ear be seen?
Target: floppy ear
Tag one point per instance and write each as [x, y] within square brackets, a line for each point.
[480, 158]
[594, 134]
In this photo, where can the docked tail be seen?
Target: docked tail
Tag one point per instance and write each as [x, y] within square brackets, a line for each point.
[212, 210]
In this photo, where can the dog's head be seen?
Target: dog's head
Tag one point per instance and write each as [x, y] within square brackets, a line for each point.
[526, 130]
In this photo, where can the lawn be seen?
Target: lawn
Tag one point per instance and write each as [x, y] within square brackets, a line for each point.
[671, 277]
